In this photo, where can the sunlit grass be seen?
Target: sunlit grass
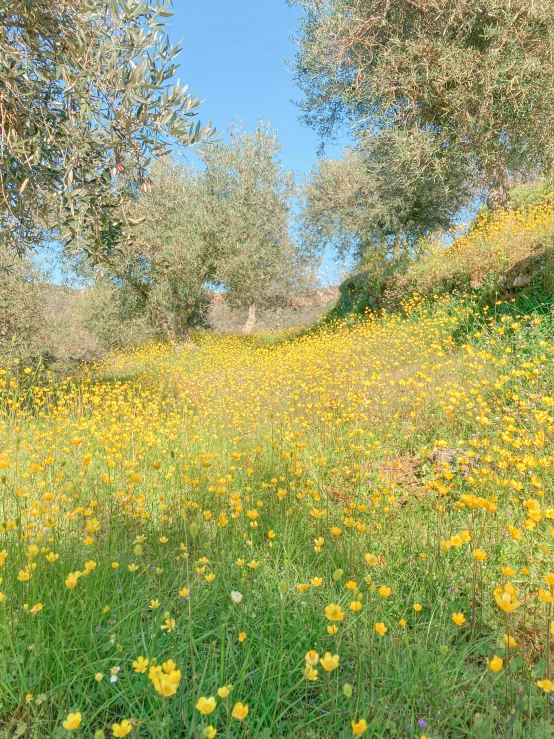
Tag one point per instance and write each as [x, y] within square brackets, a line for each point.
[207, 508]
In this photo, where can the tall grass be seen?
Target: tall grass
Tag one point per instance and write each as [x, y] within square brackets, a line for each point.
[138, 495]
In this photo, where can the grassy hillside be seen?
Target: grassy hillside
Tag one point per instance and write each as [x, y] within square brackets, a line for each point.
[348, 531]
[502, 256]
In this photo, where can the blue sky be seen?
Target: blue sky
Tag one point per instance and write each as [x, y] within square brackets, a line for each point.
[233, 57]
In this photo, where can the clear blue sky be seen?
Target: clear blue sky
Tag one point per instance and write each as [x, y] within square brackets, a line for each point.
[233, 57]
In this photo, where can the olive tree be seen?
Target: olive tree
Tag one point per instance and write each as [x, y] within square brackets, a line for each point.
[163, 268]
[250, 198]
[87, 100]
[477, 77]
[224, 222]
[376, 202]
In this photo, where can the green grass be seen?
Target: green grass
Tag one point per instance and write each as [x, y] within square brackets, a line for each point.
[235, 397]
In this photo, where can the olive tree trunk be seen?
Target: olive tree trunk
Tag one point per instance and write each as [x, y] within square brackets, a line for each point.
[498, 196]
[250, 321]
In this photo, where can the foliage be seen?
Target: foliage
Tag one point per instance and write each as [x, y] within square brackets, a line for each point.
[162, 270]
[86, 101]
[249, 195]
[113, 316]
[381, 198]
[21, 306]
[226, 222]
[477, 77]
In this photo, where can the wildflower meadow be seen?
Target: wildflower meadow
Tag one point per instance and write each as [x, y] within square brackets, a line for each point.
[341, 532]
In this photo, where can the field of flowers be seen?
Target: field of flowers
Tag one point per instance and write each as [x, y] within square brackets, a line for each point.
[347, 532]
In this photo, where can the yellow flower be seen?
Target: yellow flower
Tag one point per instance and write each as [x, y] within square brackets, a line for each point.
[479, 555]
[380, 628]
[99, 677]
[223, 692]
[459, 619]
[316, 581]
[209, 732]
[359, 727]
[546, 685]
[73, 721]
[545, 596]
[122, 729]
[242, 636]
[168, 625]
[310, 673]
[165, 684]
[417, 607]
[23, 576]
[351, 585]
[72, 579]
[169, 666]
[385, 591]
[36, 608]
[334, 612]
[240, 711]
[402, 622]
[332, 629]
[509, 641]
[356, 605]
[140, 664]
[311, 658]
[184, 592]
[329, 661]
[506, 598]
[115, 565]
[303, 587]
[206, 705]
[154, 603]
[495, 664]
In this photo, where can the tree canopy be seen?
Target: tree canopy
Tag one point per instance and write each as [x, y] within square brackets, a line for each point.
[251, 196]
[86, 102]
[476, 76]
[377, 201]
[224, 222]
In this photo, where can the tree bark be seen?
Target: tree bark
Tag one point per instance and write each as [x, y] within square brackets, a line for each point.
[250, 321]
[179, 338]
[498, 197]
[397, 248]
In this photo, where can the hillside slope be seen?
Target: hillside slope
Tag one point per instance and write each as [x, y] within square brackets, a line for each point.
[500, 256]
[346, 530]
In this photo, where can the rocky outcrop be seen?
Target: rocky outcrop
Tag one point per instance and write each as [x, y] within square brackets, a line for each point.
[524, 272]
